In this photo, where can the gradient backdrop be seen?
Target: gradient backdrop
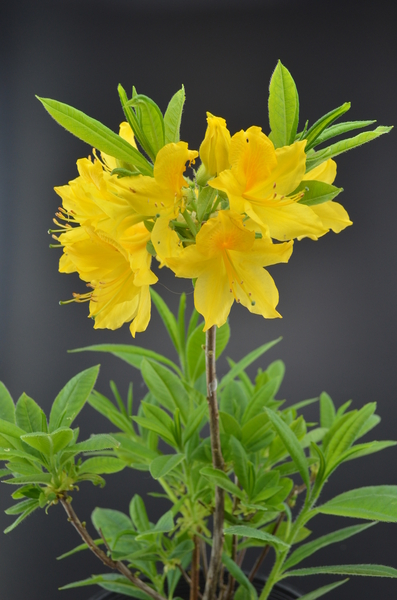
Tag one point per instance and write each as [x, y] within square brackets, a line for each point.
[337, 295]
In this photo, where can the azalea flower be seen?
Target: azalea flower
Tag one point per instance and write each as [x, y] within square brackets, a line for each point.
[163, 194]
[214, 150]
[260, 180]
[118, 294]
[228, 262]
[332, 214]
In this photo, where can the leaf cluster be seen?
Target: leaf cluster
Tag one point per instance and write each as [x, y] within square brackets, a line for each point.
[271, 453]
[42, 457]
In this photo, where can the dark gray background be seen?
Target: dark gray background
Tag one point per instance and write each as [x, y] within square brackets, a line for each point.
[337, 295]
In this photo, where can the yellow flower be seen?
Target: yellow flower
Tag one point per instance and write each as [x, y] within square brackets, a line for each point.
[260, 180]
[127, 134]
[227, 261]
[162, 194]
[332, 214]
[119, 281]
[214, 150]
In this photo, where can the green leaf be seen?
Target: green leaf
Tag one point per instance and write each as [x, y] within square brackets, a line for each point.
[323, 590]
[230, 425]
[283, 107]
[369, 448]
[49, 444]
[366, 570]
[108, 410]
[7, 408]
[138, 514]
[346, 434]
[133, 355]
[331, 538]
[292, 444]
[220, 479]
[32, 507]
[173, 117]
[239, 576]
[29, 415]
[327, 411]
[151, 121]
[319, 126]
[166, 387]
[44, 478]
[241, 465]
[341, 128]
[102, 464]
[72, 398]
[257, 534]
[194, 422]
[195, 349]
[100, 441]
[377, 503]
[162, 465]
[21, 507]
[110, 522]
[245, 362]
[205, 201]
[8, 428]
[260, 399]
[316, 192]
[316, 158]
[95, 134]
[167, 317]
[79, 548]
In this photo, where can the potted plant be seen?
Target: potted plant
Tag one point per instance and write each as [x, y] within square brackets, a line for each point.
[239, 468]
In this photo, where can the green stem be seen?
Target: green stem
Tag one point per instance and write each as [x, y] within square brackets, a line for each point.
[190, 222]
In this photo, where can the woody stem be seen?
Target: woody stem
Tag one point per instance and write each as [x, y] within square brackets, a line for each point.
[218, 463]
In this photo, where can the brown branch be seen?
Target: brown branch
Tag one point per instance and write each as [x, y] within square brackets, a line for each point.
[218, 463]
[116, 565]
[204, 558]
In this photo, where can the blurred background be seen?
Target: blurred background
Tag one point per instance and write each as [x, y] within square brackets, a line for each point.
[337, 295]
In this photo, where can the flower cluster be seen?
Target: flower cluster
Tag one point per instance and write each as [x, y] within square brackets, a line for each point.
[240, 214]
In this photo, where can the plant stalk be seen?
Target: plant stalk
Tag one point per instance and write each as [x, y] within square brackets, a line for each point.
[195, 572]
[218, 463]
[99, 553]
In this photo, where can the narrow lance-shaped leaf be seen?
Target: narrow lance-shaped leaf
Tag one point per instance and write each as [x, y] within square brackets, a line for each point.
[341, 128]
[7, 408]
[245, 362]
[95, 134]
[376, 503]
[283, 107]
[331, 538]
[365, 570]
[29, 415]
[323, 590]
[173, 117]
[151, 121]
[162, 465]
[319, 126]
[251, 532]
[292, 444]
[316, 158]
[133, 355]
[72, 398]
[166, 387]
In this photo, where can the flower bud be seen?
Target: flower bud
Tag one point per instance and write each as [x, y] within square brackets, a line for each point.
[214, 151]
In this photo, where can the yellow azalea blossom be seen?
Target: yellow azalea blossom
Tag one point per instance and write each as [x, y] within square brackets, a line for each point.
[162, 194]
[87, 199]
[259, 181]
[118, 293]
[214, 150]
[332, 214]
[228, 263]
